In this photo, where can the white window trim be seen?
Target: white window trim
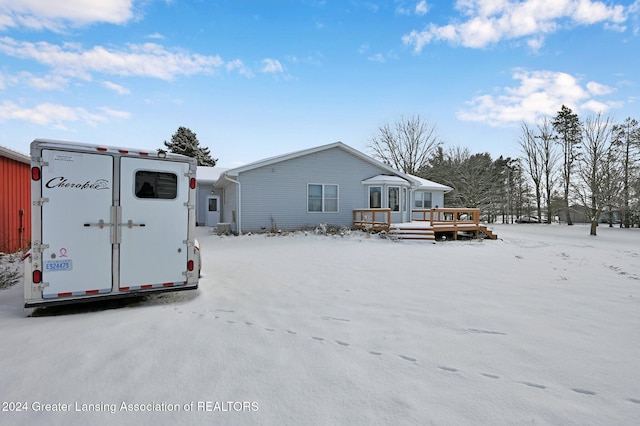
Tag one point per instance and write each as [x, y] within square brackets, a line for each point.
[323, 198]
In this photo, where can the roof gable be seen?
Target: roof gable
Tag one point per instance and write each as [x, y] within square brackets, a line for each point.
[280, 158]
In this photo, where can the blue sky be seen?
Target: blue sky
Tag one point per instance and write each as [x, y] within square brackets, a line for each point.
[254, 79]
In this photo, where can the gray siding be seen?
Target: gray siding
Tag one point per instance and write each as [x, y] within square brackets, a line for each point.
[275, 196]
[229, 202]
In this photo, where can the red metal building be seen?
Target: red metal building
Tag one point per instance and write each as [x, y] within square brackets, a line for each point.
[15, 200]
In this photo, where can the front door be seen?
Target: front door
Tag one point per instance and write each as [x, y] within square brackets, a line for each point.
[213, 211]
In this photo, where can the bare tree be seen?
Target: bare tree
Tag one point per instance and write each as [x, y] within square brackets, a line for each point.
[549, 157]
[533, 163]
[407, 145]
[597, 167]
[627, 138]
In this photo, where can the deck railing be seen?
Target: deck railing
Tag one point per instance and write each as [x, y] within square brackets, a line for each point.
[447, 216]
[372, 219]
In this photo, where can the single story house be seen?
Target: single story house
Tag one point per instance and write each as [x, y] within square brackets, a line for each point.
[15, 200]
[303, 189]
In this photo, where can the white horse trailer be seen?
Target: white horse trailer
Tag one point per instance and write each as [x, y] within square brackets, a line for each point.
[109, 222]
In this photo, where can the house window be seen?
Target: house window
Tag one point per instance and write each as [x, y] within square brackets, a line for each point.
[156, 185]
[375, 197]
[394, 198]
[423, 200]
[322, 198]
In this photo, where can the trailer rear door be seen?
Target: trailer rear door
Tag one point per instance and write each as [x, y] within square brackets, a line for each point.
[76, 223]
[154, 223]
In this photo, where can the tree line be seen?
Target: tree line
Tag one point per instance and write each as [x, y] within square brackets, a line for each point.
[568, 168]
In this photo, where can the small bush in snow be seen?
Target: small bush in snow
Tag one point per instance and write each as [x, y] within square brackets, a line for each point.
[9, 270]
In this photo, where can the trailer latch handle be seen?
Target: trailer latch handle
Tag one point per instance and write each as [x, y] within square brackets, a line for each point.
[100, 224]
[130, 224]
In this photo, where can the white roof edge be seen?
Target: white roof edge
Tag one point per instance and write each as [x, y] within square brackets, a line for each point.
[15, 155]
[429, 184]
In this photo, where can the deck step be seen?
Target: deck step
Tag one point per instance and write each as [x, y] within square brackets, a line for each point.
[413, 234]
[488, 232]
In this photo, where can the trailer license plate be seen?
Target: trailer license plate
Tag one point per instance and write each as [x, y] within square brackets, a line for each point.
[57, 265]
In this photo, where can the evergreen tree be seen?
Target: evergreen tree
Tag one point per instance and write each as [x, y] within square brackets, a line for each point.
[185, 142]
[569, 130]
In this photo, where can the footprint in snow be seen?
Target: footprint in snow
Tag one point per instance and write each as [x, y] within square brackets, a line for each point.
[342, 343]
[320, 339]
[375, 353]
[491, 376]
[291, 332]
[534, 385]
[449, 369]
[634, 400]
[407, 358]
[583, 391]
[335, 319]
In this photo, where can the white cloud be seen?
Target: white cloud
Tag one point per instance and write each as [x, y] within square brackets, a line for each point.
[123, 115]
[272, 66]
[488, 22]
[422, 7]
[58, 15]
[121, 90]
[378, 57]
[48, 82]
[146, 60]
[54, 115]
[238, 65]
[599, 89]
[539, 93]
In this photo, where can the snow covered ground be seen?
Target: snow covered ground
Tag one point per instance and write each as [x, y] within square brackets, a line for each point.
[539, 327]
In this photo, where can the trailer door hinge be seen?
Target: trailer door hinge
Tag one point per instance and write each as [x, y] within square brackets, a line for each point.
[37, 247]
[39, 202]
[40, 286]
[40, 161]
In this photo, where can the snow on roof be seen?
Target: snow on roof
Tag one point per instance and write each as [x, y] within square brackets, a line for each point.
[385, 180]
[431, 185]
[209, 174]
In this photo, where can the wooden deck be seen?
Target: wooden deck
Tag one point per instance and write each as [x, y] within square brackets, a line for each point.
[427, 224]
